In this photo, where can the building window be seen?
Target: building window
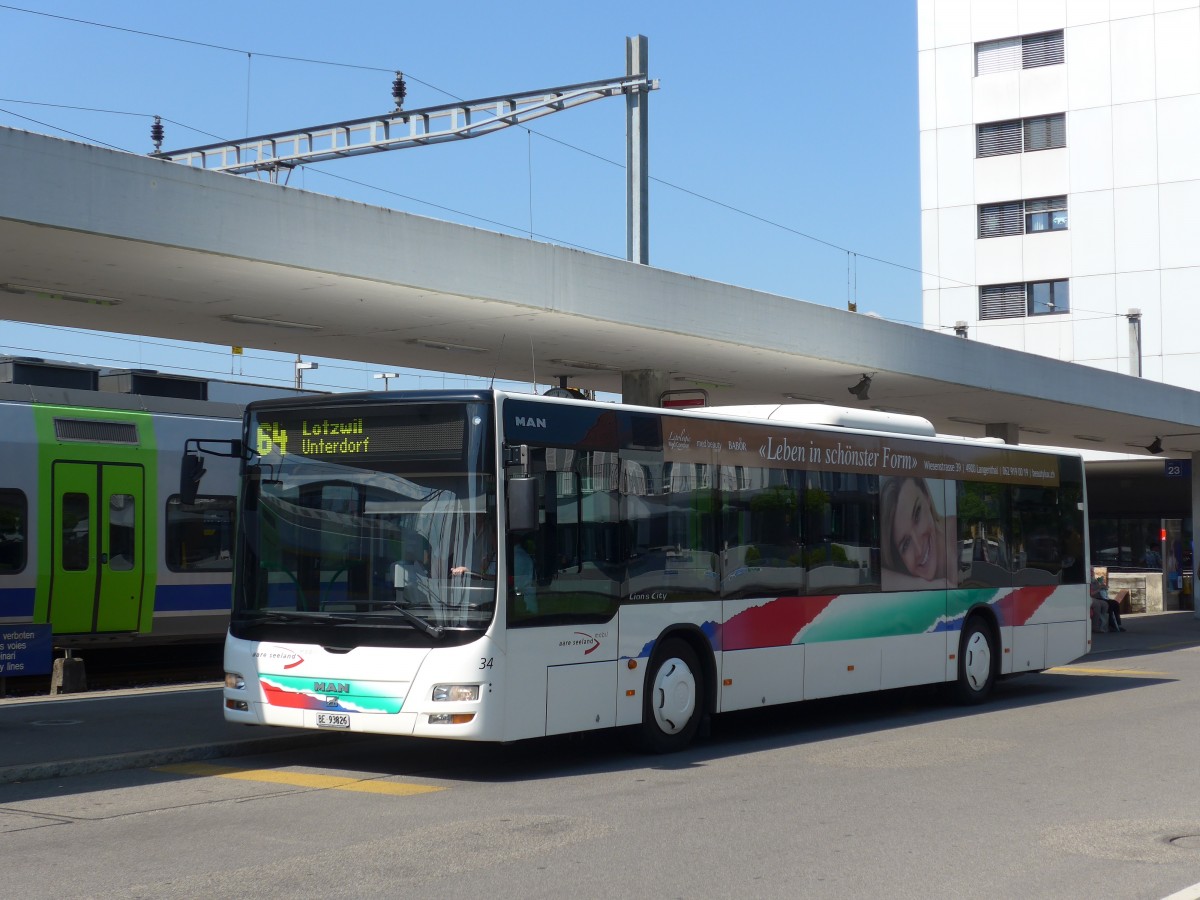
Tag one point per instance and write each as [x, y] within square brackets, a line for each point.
[1020, 299]
[1022, 217]
[1021, 135]
[1028, 52]
[1044, 49]
[1046, 214]
[1001, 301]
[1045, 132]
[1048, 297]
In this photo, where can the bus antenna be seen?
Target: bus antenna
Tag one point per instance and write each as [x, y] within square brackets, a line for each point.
[533, 357]
[492, 383]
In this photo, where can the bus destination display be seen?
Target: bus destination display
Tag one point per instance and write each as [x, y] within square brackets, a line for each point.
[348, 437]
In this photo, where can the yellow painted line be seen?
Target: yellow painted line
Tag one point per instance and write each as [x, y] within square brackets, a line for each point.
[1086, 670]
[1173, 644]
[299, 779]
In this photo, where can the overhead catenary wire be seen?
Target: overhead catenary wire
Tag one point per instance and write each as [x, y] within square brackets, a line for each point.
[452, 95]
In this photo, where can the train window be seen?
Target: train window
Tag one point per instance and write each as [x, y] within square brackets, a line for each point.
[200, 534]
[121, 532]
[14, 531]
[76, 532]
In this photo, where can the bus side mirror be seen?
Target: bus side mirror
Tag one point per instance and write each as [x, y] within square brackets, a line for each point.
[191, 470]
[522, 503]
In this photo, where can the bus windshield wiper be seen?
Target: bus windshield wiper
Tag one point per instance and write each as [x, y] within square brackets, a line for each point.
[288, 616]
[434, 631]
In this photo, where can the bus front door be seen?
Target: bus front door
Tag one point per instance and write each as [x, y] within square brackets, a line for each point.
[98, 542]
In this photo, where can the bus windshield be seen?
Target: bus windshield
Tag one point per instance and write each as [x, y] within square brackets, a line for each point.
[382, 517]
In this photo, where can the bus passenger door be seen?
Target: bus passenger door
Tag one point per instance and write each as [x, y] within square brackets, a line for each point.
[97, 548]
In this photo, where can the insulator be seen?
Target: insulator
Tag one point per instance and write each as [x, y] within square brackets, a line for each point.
[156, 133]
[399, 90]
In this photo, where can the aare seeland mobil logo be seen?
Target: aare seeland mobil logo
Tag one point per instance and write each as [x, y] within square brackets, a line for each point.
[583, 639]
[288, 657]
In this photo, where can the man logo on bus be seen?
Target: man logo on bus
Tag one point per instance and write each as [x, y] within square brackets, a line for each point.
[530, 422]
[270, 436]
[331, 687]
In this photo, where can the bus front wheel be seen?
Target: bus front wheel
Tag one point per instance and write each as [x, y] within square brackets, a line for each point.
[674, 698]
[976, 662]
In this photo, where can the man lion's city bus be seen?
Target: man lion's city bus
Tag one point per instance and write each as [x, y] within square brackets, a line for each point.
[480, 565]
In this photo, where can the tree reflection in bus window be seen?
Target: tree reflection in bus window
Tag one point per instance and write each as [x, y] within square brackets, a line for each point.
[984, 535]
[571, 567]
[841, 531]
[670, 509]
[762, 551]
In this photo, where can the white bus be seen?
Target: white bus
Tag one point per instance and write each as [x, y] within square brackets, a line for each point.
[654, 567]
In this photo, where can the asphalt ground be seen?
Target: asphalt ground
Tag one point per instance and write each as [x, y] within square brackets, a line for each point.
[61, 735]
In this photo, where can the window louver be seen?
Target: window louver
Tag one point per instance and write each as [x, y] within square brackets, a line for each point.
[997, 56]
[1028, 52]
[1045, 132]
[1001, 301]
[1042, 49]
[95, 431]
[1045, 204]
[996, 138]
[1022, 216]
[1000, 219]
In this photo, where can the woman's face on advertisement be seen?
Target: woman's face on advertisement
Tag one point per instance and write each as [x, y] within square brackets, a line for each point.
[915, 533]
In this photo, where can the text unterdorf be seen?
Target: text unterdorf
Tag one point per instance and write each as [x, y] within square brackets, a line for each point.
[327, 437]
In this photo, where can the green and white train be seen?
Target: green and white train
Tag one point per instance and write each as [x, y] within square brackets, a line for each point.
[94, 537]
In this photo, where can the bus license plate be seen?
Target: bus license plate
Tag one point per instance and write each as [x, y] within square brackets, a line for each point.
[333, 720]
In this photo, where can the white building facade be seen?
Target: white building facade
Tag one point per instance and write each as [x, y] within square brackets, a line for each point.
[1060, 179]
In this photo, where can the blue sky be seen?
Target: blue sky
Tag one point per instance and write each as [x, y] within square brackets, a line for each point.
[775, 124]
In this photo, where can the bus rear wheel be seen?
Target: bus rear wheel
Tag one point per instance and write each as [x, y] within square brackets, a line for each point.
[673, 701]
[976, 662]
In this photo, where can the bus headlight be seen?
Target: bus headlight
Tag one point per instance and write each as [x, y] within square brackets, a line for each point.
[454, 692]
[234, 681]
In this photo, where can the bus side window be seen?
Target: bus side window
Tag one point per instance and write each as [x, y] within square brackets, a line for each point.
[841, 531]
[575, 569]
[762, 550]
[984, 538]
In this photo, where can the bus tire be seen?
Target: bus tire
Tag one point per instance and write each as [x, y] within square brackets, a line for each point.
[977, 662]
[673, 701]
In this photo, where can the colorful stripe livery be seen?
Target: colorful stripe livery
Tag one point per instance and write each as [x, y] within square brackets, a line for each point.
[297, 692]
[810, 620]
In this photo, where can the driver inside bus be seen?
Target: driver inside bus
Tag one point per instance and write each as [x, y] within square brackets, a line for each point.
[480, 549]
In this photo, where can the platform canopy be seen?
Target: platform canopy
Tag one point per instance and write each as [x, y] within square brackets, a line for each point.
[100, 239]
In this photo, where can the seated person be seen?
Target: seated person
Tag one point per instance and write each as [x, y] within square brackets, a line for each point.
[1099, 609]
[1111, 615]
[480, 550]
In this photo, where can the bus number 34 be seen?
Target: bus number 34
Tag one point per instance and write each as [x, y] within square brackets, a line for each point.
[485, 662]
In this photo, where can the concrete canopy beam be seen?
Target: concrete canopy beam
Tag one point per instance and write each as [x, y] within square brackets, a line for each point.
[644, 387]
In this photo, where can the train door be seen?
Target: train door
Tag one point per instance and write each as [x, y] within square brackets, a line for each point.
[98, 546]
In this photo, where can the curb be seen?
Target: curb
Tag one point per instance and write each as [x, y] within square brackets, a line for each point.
[141, 759]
